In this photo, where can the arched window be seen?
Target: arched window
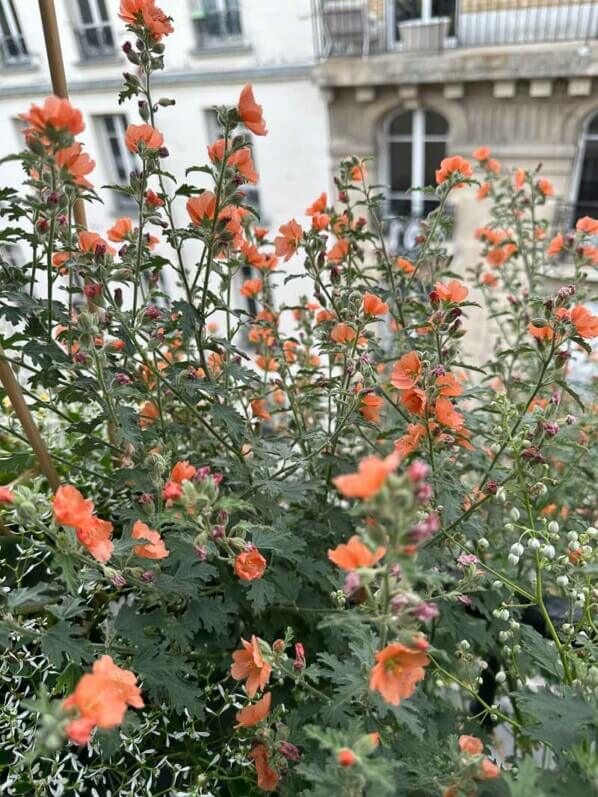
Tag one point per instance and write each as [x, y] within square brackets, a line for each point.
[414, 144]
[586, 199]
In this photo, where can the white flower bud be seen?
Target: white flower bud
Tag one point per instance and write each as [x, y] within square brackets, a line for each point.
[517, 549]
[574, 546]
[513, 560]
[562, 581]
[497, 585]
[483, 544]
[592, 533]
[571, 535]
[533, 543]
[553, 527]
[495, 448]
[464, 644]
[500, 677]
[515, 513]
[516, 648]
[548, 551]
[567, 628]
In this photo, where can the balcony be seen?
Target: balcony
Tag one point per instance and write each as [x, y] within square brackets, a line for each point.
[218, 30]
[95, 41]
[13, 51]
[368, 27]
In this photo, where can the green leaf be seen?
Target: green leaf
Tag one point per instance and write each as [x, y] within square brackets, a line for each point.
[560, 721]
[63, 643]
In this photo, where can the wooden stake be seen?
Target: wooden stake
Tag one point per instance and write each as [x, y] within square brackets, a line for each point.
[15, 394]
[58, 76]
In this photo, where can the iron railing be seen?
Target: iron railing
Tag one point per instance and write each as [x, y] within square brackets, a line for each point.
[218, 29]
[95, 41]
[364, 27]
[13, 50]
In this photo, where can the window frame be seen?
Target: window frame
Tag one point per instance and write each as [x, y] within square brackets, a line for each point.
[15, 33]
[223, 40]
[99, 24]
[122, 202]
[418, 138]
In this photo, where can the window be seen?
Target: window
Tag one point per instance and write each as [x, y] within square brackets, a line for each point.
[414, 144]
[121, 162]
[424, 10]
[13, 50]
[586, 199]
[217, 23]
[94, 31]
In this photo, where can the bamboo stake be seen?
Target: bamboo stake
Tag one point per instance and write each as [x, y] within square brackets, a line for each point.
[58, 76]
[15, 394]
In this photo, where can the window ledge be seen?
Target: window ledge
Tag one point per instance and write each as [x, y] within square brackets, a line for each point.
[24, 66]
[100, 60]
[224, 48]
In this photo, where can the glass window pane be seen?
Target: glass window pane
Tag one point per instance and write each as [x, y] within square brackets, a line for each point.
[400, 207]
[400, 166]
[103, 10]
[407, 9]
[587, 198]
[4, 23]
[85, 12]
[435, 152]
[436, 125]
[593, 126]
[402, 124]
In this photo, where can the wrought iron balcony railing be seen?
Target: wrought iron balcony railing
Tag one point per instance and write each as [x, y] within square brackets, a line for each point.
[95, 41]
[13, 50]
[364, 27]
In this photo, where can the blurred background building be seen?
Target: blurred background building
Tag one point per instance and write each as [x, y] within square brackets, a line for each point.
[404, 81]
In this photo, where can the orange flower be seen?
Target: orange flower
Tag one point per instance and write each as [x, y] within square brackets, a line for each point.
[120, 229]
[339, 251]
[489, 279]
[584, 322]
[482, 191]
[520, 178]
[545, 187]
[288, 242]
[155, 549]
[448, 385]
[317, 206]
[267, 778]
[251, 715]
[447, 415]
[342, 333]
[397, 670]
[96, 535]
[55, 113]
[244, 164]
[409, 442]
[101, 698]
[370, 407]
[453, 291]
[354, 555]
[359, 173]
[77, 163]
[414, 400]
[251, 113]
[143, 134]
[70, 508]
[498, 255]
[250, 666]
[259, 409]
[251, 288]
[492, 165]
[481, 154]
[588, 225]
[471, 745]
[541, 333]
[406, 371]
[405, 265]
[368, 480]
[182, 472]
[201, 207]
[88, 241]
[147, 14]
[148, 414]
[250, 565]
[454, 165]
[153, 199]
[489, 771]
[373, 306]
[267, 364]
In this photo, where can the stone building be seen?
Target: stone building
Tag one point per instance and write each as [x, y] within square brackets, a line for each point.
[410, 82]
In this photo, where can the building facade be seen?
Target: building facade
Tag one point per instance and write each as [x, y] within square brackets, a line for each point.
[217, 47]
[403, 81]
